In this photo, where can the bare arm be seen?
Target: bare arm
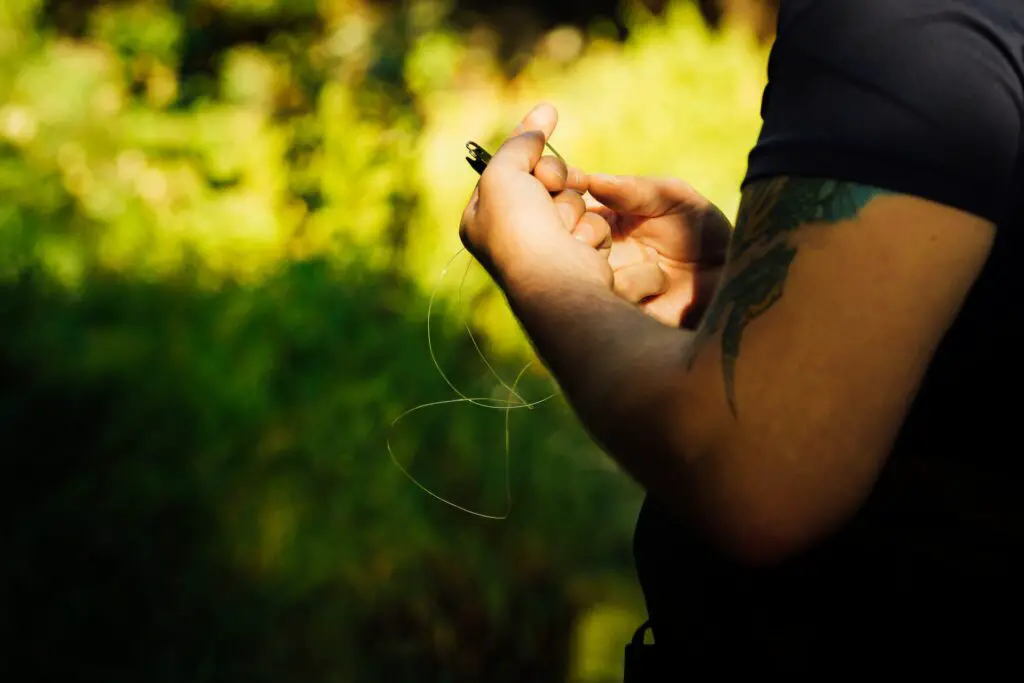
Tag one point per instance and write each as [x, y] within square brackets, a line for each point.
[769, 425]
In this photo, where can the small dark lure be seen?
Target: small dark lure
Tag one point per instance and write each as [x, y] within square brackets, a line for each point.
[479, 157]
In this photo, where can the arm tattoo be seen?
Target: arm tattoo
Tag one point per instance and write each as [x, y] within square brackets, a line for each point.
[770, 212]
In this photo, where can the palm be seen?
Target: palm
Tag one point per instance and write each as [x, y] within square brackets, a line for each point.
[686, 242]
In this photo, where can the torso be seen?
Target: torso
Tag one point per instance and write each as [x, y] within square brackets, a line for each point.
[928, 570]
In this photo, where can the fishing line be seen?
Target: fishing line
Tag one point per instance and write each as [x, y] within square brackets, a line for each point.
[514, 402]
[478, 159]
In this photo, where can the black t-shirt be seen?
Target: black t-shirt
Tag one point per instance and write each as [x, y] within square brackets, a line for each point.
[925, 98]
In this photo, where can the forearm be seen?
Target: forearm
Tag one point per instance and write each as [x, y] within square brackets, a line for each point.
[623, 373]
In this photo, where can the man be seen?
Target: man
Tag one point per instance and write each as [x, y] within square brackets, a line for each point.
[831, 457]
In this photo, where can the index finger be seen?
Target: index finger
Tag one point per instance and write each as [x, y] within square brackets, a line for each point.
[556, 176]
[642, 196]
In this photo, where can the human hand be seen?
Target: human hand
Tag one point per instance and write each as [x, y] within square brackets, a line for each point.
[527, 220]
[668, 244]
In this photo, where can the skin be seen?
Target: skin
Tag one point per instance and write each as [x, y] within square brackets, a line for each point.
[665, 242]
[668, 244]
[765, 427]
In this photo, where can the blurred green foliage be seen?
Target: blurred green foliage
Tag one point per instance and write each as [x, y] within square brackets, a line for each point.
[220, 221]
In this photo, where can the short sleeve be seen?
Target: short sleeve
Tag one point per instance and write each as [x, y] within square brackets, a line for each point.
[921, 97]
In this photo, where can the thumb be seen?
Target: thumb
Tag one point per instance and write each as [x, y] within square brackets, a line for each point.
[639, 196]
[519, 154]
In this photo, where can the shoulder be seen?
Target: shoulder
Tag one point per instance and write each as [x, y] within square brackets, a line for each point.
[924, 97]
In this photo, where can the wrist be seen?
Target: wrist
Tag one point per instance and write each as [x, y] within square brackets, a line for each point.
[559, 269]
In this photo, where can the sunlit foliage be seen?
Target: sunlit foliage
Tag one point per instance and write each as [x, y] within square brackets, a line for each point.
[220, 221]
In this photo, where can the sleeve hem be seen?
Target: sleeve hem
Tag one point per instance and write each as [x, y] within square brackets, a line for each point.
[827, 161]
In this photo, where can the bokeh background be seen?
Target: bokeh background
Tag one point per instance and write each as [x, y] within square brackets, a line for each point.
[220, 225]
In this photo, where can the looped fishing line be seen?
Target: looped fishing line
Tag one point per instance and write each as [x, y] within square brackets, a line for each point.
[478, 159]
[514, 402]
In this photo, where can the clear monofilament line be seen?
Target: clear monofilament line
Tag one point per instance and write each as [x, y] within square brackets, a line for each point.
[549, 146]
[508, 484]
[476, 345]
[433, 356]
[514, 402]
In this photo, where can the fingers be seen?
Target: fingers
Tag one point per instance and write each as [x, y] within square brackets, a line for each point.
[552, 173]
[508, 195]
[668, 309]
[544, 117]
[577, 180]
[556, 176]
[550, 170]
[640, 281]
[638, 196]
[628, 252]
[594, 231]
[637, 275]
[571, 208]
